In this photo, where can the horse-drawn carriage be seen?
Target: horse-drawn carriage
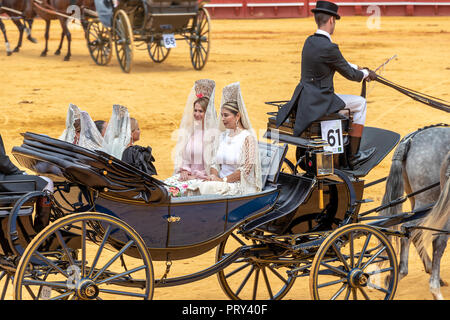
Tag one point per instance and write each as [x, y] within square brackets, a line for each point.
[156, 24]
[109, 221]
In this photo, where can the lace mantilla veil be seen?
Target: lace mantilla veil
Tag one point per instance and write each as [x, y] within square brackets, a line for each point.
[90, 137]
[250, 165]
[73, 113]
[206, 88]
[118, 132]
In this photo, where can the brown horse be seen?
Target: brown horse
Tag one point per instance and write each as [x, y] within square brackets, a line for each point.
[17, 7]
[57, 9]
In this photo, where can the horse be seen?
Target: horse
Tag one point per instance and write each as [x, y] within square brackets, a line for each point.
[57, 9]
[15, 13]
[416, 164]
[437, 219]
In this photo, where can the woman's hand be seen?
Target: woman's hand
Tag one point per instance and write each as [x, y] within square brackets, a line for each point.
[213, 177]
[184, 175]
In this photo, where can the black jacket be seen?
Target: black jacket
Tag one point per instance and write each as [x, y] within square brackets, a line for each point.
[314, 96]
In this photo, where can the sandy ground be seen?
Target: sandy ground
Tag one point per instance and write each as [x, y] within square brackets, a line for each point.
[264, 55]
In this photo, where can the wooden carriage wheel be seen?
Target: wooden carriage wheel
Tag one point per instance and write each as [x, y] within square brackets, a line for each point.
[248, 279]
[84, 256]
[356, 261]
[157, 52]
[199, 41]
[99, 42]
[123, 39]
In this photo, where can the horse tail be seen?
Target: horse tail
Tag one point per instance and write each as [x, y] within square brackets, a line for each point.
[394, 183]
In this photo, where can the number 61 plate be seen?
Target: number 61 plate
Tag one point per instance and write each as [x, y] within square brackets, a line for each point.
[332, 132]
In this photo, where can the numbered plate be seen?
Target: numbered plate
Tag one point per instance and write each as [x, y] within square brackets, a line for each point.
[332, 133]
[169, 40]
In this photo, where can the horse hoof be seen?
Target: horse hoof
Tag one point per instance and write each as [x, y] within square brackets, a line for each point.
[43, 54]
[66, 58]
[8, 53]
[16, 50]
[32, 39]
[57, 53]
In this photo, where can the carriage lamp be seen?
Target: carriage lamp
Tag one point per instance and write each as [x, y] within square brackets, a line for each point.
[319, 162]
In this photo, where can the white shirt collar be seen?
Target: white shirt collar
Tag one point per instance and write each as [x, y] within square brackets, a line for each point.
[323, 32]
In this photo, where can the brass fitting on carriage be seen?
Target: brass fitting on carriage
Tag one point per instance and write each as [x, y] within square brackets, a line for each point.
[320, 164]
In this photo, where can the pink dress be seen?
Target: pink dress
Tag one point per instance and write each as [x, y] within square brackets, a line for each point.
[193, 155]
[193, 162]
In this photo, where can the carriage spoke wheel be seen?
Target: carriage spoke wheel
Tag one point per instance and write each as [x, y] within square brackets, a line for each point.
[248, 278]
[354, 262]
[85, 256]
[158, 53]
[200, 39]
[99, 42]
[6, 279]
[123, 40]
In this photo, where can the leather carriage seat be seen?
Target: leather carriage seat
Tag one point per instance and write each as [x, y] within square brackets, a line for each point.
[314, 129]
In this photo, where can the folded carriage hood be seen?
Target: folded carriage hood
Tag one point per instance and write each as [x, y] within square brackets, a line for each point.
[98, 170]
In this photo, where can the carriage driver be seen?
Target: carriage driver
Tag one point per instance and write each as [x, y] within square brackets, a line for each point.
[314, 96]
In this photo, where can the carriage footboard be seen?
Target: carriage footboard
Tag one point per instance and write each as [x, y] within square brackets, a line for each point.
[295, 198]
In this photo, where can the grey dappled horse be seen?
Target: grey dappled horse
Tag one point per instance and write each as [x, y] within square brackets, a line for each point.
[416, 164]
[438, 218]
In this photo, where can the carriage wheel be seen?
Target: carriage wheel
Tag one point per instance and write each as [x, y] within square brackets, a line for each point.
[354, 262]
[200, 39]
[248, 278]
[85, 256]
[99, 42]
[123, 40]
[158, 53]
[5, 281]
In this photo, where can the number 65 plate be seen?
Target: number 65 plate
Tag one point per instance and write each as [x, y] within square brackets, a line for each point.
[169, 40]
[332, 133]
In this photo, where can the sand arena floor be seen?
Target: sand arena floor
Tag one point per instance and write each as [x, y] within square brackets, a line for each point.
[264, 55]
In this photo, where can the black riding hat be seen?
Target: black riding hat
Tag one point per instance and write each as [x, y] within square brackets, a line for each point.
[327, 7]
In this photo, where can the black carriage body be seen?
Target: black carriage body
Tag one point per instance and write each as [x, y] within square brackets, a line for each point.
[299, 205]
[150, 19]
[182, 227]
[179, 228]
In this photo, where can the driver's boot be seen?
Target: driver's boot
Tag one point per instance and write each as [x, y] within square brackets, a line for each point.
[358, 157]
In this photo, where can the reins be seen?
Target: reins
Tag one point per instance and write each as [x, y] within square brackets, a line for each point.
[421, 97]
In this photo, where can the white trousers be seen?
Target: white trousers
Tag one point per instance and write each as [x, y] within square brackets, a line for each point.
[357, 106]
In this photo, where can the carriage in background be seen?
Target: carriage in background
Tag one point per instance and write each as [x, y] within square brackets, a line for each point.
[156, 24]
[110, 222]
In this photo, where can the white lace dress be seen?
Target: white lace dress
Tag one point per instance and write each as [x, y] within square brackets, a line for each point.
[234, 153]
